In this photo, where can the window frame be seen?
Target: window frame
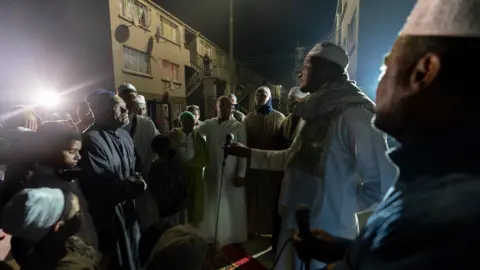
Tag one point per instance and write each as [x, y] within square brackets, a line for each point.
[139, 71]
[172, 26]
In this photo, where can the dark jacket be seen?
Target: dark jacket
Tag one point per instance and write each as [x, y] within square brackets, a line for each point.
[431, 219]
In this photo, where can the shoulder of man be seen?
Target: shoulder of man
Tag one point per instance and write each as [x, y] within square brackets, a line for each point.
[278, 113]
[440, 216]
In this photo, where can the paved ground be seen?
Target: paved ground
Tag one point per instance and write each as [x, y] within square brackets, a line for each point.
[259, 248]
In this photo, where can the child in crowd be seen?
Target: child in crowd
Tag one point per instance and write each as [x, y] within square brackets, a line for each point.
[167, 182]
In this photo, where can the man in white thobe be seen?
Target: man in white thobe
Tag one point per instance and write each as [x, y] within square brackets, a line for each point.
[337, 163]
[225, 196]
[143, 131]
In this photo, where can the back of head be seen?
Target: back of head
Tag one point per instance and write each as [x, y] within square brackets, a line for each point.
[56, 135]
[32, 213]
[99, 100]
[180, 247]
[193, 109]
[160, 144]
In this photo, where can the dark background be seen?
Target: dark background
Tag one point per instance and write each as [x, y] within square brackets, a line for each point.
[266, 32]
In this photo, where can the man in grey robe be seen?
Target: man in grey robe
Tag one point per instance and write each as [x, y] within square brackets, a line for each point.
[110, 183]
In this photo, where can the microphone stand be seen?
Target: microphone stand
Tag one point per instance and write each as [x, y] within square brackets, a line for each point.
[225, 155]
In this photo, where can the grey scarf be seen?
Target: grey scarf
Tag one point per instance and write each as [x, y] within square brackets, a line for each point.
[319, 111]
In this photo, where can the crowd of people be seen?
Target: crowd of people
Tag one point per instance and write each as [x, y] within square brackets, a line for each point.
[108, 191]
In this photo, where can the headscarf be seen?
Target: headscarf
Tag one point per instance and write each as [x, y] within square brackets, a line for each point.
[268, 107]
[185, 114]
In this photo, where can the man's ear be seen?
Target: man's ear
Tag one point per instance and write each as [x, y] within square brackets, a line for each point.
[425, 72]
[58, 225]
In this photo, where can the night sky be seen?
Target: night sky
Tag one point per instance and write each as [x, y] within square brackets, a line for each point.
[265, 31]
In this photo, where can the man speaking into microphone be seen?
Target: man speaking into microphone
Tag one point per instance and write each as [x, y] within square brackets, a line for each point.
[336, 164]
[224, 179]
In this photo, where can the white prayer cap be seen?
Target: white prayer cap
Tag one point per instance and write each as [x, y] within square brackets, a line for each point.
[141, 100]
[297, 92]
[126, 87]
[266, 90]
[32, 213]
[447, 18]
[330, 52]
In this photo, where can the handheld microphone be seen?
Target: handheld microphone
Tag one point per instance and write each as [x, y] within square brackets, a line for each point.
[302, 216]
[228, 140]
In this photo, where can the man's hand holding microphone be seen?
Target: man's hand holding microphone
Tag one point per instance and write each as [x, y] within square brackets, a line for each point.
[229, 149]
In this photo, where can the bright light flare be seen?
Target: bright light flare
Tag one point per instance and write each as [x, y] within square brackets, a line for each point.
[47, 98]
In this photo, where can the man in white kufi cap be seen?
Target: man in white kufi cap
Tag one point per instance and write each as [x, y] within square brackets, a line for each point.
[142, 130]
[141, 106]
[428, 101]
[338, 159]
[262, 127]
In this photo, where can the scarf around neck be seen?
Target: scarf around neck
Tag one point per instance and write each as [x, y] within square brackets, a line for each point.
[264, 109]
[332, 96]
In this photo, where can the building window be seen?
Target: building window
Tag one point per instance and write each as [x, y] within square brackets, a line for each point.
[135, 60]
[136, 12]
[169, 30]
[171, 71]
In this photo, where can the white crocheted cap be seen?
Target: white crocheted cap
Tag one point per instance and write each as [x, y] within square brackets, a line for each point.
[141, 100]
[447, 18]
[266, 90]
[330, 52]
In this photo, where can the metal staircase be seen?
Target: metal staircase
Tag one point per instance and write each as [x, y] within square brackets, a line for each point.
[196, 79]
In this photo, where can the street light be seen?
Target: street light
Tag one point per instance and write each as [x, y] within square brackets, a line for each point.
[232, 64]
[47, 98]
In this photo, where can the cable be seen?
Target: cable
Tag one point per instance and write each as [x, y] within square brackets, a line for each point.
[277, 259]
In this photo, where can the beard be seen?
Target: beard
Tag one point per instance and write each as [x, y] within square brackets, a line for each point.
[390, 122]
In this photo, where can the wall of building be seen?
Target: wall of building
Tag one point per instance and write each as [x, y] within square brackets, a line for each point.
[376, 36]
[161, 77]
[54, 45]
[348, 31]
[376, 27]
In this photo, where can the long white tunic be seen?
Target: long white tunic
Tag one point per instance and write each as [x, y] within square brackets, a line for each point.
[232, 224]
[357, 175]
[142, 139]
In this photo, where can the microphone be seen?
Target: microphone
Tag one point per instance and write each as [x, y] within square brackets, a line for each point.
[302, 216]
[228, 140]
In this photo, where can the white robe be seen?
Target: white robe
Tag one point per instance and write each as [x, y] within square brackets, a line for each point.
[357, 175]
[142, 139]
[232, 223]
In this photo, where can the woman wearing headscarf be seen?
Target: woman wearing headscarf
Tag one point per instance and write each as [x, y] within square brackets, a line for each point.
[262, 128]
[191, 149]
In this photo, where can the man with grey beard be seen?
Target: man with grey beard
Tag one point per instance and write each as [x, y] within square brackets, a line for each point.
[110, 183]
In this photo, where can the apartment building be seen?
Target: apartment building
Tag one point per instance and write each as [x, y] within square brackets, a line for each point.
[93, 44]
[367, 29]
